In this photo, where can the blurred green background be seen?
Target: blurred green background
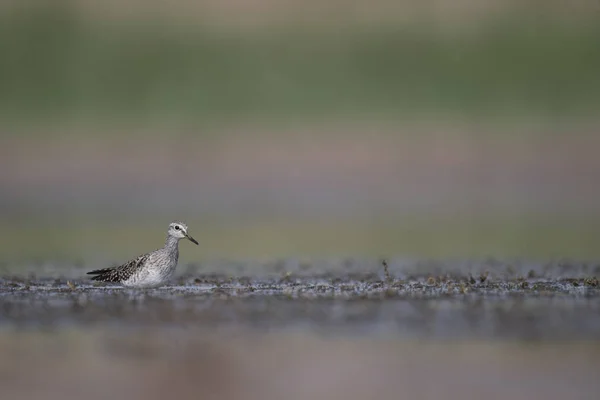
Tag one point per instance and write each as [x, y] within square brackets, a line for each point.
[430, 128]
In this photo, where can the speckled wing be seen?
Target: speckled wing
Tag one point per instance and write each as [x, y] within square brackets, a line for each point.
[120, 273]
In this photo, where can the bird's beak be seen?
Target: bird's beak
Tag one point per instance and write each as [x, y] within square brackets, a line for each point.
[191, 239]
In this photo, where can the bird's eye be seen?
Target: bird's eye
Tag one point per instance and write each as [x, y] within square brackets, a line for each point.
[176, 227]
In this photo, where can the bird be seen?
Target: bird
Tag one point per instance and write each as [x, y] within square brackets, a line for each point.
[149, 270]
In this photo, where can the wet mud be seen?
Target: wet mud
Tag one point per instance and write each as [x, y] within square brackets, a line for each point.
[487, 300]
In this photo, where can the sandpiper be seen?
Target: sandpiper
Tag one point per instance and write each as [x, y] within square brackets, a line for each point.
[152, 269]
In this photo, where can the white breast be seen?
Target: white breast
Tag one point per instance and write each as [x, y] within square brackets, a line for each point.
[152, 275]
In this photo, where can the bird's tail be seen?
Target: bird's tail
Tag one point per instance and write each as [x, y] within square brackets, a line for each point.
[105, 275]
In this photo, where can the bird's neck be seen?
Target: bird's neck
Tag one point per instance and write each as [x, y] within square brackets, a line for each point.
[171, 244]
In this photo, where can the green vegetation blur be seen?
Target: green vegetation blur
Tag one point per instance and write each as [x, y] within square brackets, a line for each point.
[61, 64]
[230, 88]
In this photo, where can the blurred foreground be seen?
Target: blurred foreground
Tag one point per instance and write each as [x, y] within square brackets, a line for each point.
[153, 365]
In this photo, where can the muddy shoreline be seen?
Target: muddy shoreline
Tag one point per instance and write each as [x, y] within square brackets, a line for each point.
[484, 305]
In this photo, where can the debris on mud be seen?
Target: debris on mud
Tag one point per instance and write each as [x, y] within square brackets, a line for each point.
[423, 299]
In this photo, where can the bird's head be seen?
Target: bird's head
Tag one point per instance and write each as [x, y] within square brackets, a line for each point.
[179, 230]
